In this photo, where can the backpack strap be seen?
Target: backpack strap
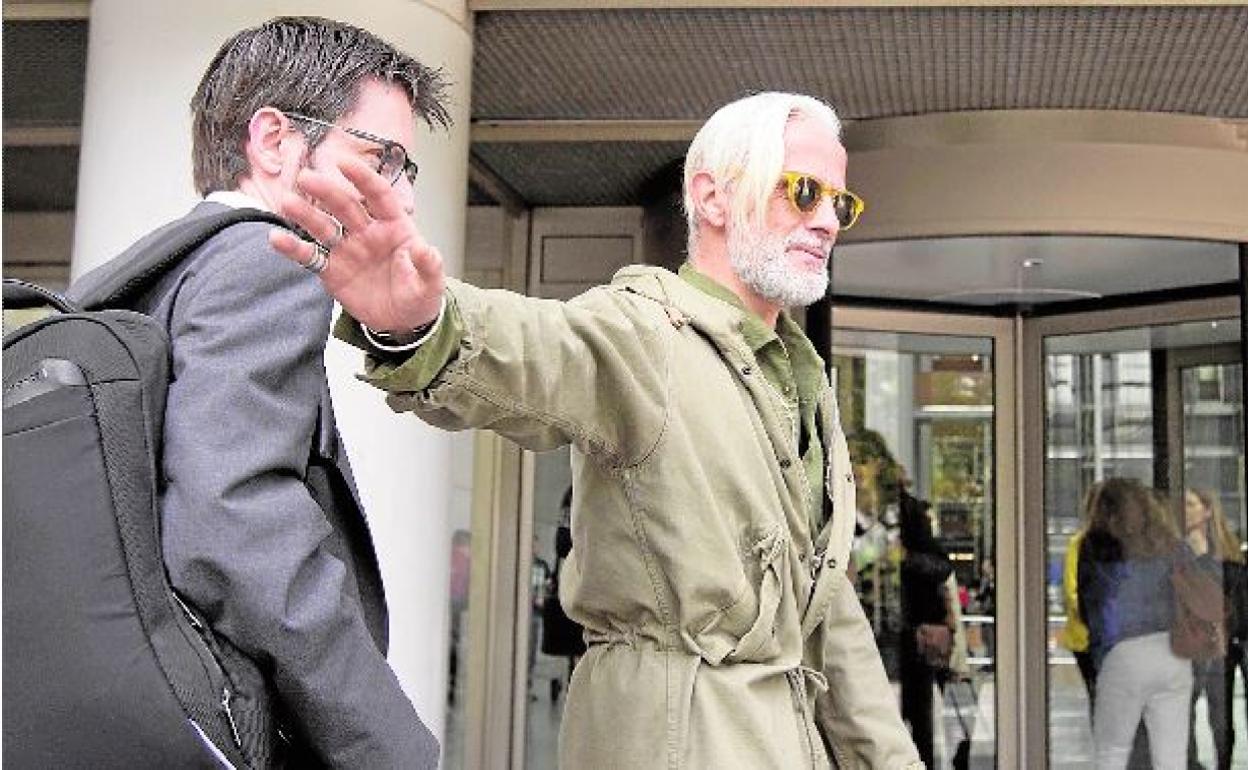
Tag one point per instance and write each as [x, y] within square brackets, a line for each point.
[25, 303]
[144, 263]
[21, 295]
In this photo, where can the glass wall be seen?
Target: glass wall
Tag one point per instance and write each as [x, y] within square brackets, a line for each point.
[1158, 411]
[919, 411]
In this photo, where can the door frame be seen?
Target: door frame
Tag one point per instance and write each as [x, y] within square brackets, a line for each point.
[1034, 711]
[1009, 551]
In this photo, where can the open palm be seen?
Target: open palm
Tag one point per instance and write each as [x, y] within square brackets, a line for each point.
[380, 269]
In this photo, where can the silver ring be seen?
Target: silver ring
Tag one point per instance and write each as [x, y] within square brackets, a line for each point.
[319, 261]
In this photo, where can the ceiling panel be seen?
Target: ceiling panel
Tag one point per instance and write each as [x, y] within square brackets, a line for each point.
[40, 178]
[44, 72]
[579, 173]
[869, 62]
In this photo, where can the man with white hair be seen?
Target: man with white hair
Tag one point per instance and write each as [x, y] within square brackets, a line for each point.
[722, 629]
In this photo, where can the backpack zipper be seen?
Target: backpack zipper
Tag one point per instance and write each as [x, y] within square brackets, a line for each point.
[226, 695]
[229, 716]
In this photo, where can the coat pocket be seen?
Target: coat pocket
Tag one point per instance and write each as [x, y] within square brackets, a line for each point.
[746, 629]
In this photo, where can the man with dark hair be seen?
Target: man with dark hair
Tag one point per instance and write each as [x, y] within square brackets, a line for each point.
[262, 530]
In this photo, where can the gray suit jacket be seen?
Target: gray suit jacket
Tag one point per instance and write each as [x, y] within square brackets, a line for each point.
[250, 450]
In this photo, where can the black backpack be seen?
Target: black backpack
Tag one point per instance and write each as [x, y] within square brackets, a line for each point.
[103, 665]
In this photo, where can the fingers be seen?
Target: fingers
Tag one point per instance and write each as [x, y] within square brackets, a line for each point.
[425, 260]
[355, 197]
[380, 198]
[314, 221]
[291, 246]
[337, 198]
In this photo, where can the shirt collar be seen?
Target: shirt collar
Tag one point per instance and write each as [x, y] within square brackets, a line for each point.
[805, 360]
[236, 199]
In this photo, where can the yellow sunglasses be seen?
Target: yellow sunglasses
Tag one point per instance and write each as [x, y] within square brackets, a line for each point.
[805, 191]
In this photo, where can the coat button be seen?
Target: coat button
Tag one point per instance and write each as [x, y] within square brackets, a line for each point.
[785, 463]
[747, 370]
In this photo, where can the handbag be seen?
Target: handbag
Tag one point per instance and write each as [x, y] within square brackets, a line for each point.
[1199, 628]
[934, 642]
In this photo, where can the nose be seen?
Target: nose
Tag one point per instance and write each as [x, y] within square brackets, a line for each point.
[823, 222]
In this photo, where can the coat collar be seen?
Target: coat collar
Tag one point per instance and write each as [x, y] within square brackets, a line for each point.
[718, 318]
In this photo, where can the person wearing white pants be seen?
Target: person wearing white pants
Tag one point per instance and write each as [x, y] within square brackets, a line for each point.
[1141, 677]
[1126, 561]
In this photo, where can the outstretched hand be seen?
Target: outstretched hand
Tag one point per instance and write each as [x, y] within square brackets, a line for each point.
[380, 268]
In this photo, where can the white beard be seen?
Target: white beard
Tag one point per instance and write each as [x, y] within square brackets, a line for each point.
[760, 260]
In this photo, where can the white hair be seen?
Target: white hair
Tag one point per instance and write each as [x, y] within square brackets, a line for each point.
[742, 147]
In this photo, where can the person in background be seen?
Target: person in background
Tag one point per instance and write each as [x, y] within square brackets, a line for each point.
[1125, 595]
[873, 563]
[461, 582]
[1208, 532]
[926, 619]
[985, 603]
[1074, 635]
[561, 636]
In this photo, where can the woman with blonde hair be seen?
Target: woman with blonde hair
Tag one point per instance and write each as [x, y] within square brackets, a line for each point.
[1125, 596]
[1209, 533]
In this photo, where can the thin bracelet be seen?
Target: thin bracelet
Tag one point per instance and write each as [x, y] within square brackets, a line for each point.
[383, 341]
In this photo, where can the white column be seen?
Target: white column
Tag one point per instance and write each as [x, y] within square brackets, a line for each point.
[145, 58]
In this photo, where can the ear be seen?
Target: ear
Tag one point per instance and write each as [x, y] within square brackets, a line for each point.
[268, 146]
[709, 200]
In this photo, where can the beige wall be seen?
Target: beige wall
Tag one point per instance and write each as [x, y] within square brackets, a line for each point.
[1067, 172]
[38, 245]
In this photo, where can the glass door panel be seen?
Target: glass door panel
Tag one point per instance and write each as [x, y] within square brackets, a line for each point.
[1159, 409]
[554, 641]
[919, 413]
[1213, 475]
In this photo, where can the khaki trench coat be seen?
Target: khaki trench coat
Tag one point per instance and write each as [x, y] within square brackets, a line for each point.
[723, 632]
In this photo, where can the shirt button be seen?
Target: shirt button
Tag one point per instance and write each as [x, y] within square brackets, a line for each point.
[747, 370]
[785, 463]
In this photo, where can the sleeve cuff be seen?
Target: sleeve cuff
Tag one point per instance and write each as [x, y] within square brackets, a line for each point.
[387, 343]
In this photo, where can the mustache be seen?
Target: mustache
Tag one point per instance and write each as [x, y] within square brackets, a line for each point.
[804, 240]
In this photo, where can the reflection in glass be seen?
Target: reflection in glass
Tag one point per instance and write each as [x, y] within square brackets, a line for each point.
[1159, 407]
[555, 642]
[458, 669]
[918, 414]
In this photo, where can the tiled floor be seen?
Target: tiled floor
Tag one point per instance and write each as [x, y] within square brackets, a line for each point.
[1070, 738]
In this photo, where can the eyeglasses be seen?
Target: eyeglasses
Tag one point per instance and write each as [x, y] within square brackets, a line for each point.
[392, 163]
[805, 192]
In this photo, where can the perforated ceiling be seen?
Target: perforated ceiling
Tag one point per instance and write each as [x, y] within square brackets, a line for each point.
[869, 62]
